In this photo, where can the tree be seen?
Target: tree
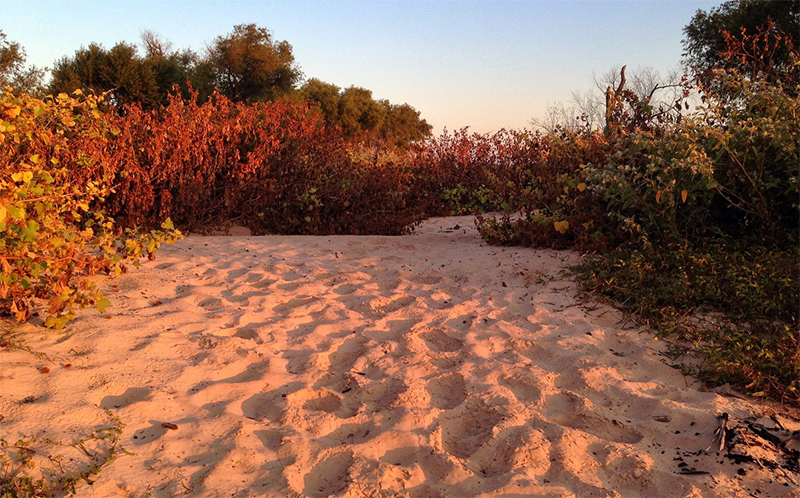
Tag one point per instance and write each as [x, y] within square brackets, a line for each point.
[249, 66]
[705, 40]
[324, 97]
[656, 94]
[358, 112]
[120, 71]
[171, 67]
[403, 126]
[13, 72]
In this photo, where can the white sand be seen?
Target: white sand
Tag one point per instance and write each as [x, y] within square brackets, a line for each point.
[428, 365]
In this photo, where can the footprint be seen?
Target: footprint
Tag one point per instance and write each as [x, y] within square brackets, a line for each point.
[447, 391]
[381, 395]
[346, 289]
[381, 306]
[576, 412]
[323, 401]
[329, 477]
[266, 406]
[610, 430]
[472, 428]
[347, 353]
[130, 396]
[297, 361]
[440, 342]
[249, 334]
[210, 303]
[517, 447]
[271, 439]
[291, 305]
[352, 433]
[524, 387]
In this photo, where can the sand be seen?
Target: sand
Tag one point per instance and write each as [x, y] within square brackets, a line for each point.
[427, 365]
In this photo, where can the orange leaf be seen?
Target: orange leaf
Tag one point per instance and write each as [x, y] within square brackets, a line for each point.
[684, 195]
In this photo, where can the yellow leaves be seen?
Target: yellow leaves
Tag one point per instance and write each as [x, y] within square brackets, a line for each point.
[581, 187]
[561, 226]
[22, 177]
[12, 111]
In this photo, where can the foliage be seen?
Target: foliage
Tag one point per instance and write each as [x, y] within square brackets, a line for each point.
[13, 72]
[248, 65]
[360, 117]
[705, 41]
[30, 468]
[268, 166]
[695, 219]
[52, 234]
[119, 71]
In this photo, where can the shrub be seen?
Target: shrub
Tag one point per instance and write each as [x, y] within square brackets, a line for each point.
[52, 234]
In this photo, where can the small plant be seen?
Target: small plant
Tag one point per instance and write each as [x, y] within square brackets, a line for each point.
[36, 468]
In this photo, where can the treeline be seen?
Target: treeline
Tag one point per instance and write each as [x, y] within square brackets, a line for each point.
[248, 65]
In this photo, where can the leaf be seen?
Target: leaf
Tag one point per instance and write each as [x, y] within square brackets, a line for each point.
[102, 304]
[15, 212]
[13, 111]
[167, 225]
[561, 226]
[581, 186]
[658, 196]
[28, 232]
[684, 195]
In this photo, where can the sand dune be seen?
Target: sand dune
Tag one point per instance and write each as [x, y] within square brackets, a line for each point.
[428, 365]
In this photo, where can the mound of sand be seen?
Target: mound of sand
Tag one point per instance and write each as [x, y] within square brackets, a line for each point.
[428, 365]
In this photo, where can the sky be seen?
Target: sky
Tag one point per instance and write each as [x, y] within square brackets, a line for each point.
[485, 65]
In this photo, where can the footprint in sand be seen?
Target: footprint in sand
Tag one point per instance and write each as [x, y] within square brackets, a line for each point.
[292, 305]
[440, 342]
[380, 307]
[329, 477]
[523, 386]
[513, 448]
[465, 433]
[447, 391]
[347, 353]
[576, 412]
[382, 394]
[322, 401]
[265, 406]
[130, 396]
[352, 433]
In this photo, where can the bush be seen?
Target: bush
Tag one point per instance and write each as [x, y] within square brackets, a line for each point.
[52, 234]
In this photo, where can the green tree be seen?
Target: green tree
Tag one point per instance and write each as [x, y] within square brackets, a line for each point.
[324, 97]
[171, 67]
[120, 71]
[249, 66]
[704, 40]
[13, 71]
[403, 126]
[359, 112]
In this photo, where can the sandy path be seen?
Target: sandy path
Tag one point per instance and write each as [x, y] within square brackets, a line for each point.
[428, 365]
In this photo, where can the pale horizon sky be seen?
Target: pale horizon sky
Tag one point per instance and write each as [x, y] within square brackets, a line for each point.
[487, 64]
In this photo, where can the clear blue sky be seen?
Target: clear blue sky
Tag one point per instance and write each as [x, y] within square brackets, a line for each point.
[484, 64]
